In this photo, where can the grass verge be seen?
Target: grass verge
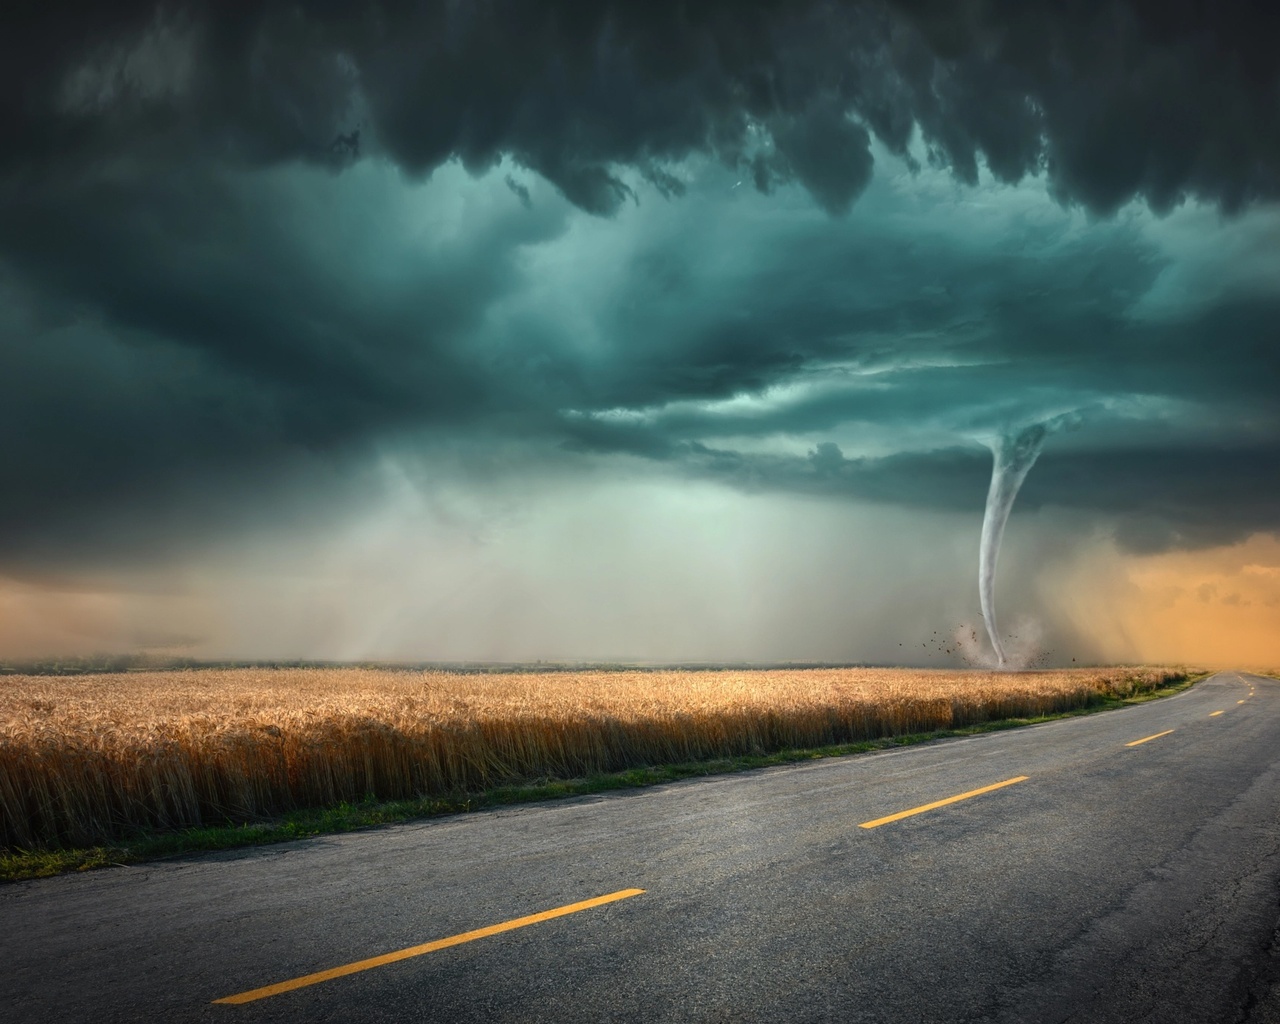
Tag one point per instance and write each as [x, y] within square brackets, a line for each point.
[21, 865]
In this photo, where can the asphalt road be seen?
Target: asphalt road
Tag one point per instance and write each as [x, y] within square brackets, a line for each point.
[1115, 883]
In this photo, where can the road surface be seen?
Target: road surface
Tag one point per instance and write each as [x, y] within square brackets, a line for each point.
[1115, 881]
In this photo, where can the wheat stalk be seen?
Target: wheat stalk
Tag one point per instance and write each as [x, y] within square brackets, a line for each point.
[86, 759]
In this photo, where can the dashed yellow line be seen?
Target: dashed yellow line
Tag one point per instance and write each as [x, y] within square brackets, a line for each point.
[1148, 739]
[426, 947]
[877, 822]
[1239, 702]
[1214, 714]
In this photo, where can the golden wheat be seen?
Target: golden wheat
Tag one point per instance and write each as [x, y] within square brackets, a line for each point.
[85, 759]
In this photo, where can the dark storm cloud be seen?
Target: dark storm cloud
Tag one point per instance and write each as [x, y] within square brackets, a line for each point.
[201, 282]
[1112, 100]
[1179, 440]
[165, 331]
[1159, 499]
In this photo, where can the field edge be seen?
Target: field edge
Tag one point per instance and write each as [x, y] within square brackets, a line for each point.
[26, 865]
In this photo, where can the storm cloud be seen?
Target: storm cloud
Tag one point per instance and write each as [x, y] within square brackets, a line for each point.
[1110, 100]
[248, 255]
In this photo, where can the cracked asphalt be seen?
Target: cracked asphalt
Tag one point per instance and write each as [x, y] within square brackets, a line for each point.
[1116, 883]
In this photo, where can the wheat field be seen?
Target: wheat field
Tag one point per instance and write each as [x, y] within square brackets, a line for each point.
[87, 759]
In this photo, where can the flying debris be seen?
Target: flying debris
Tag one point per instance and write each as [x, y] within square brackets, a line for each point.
[520, 191]
[347, 145]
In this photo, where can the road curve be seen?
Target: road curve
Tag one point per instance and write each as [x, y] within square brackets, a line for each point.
[1115, 882]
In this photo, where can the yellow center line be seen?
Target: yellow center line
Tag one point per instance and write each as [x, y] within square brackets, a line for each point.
[940, 803]
[426, 947]
[1239, 702]
[1214, 714]
[1146, 739]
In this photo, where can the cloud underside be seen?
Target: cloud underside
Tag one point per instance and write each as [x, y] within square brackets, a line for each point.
[814, 248]
[1110, 100]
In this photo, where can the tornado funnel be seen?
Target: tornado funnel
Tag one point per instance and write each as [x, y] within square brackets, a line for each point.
[1014, 454]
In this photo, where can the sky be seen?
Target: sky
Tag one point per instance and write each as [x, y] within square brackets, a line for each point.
[663, 332]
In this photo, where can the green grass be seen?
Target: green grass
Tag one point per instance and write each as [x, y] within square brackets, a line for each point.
[20, 865]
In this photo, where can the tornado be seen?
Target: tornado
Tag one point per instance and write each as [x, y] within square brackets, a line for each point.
[1014, 454]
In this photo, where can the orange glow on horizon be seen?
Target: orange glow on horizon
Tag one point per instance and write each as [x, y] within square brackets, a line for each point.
[1215, 607]
[55, 618]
